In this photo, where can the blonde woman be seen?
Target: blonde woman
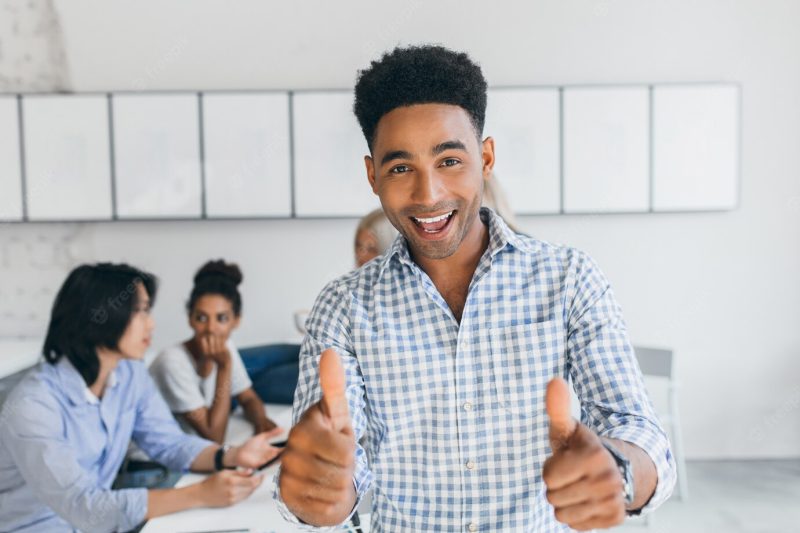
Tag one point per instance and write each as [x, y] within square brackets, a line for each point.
[374, 235]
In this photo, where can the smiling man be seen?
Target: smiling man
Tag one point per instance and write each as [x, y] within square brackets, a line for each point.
[444, 357]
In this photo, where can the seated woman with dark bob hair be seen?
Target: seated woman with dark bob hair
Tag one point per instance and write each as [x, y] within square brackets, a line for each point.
[66, 426]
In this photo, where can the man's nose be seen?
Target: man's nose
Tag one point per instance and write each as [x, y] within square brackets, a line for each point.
[427, 187]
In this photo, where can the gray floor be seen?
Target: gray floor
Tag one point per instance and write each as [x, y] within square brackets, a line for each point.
[731, 497]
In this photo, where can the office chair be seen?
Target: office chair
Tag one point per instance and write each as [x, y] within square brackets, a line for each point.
[658, 363]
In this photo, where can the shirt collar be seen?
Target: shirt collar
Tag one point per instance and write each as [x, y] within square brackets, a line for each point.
[75, 387]
[500, 236]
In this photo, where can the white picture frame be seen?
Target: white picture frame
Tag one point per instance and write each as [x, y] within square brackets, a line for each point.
[157, 156]
[247, 155]
[606, 153]
[525, 125]
[10, 162]
[67, 157]
[695, 147]
[329, 149]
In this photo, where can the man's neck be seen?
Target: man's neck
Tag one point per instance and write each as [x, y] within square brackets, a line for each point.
[465, 259]
[452, 275]
[108, 362]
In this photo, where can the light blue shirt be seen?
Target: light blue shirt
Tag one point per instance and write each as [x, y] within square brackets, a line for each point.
[452, 415]
[61, 448]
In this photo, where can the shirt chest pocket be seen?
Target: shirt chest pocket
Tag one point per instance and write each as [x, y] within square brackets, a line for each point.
[525, 357]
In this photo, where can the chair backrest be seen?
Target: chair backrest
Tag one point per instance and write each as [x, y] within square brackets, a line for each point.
[654, 361]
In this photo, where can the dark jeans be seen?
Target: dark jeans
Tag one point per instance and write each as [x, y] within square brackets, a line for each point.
[147, 474]
[273, 369]
[144, 474]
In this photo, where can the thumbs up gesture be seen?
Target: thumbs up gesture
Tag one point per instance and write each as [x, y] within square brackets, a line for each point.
[583, 482]
[316, 480]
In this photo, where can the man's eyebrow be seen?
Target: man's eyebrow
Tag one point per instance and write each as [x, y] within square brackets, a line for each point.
[395, 154]
[448, 145]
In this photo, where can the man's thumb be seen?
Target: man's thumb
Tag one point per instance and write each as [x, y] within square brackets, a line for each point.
[332, 381]
[562, 425]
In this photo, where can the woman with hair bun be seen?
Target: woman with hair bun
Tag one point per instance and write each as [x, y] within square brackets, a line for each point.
[199, 377]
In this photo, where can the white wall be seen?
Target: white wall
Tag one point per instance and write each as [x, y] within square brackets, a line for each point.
[721, 289]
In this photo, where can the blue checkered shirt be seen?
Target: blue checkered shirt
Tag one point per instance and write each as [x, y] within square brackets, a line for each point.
[451, 417]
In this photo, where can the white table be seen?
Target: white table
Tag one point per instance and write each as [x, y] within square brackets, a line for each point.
[256, 514]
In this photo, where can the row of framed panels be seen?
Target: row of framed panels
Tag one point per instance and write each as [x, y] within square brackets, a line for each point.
[300, 154]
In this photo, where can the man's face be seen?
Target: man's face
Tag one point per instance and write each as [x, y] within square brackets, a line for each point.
[428, 169]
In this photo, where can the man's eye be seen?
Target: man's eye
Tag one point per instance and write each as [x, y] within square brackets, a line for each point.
[449, 162]
[399, 169]
[222, 318]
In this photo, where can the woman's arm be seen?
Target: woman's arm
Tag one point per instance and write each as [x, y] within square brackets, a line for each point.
[255, 412]
[211, 423]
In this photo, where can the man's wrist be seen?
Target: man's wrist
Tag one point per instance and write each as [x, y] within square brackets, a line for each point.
[224, 458]
[229, 458]
[194, 495]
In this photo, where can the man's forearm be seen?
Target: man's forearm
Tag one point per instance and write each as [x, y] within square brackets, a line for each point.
[161, 502]
[645, 475]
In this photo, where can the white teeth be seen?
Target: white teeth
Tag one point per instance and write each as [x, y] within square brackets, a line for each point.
[434, 219]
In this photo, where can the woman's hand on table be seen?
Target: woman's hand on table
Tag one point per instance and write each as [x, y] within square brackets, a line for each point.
[266, 425]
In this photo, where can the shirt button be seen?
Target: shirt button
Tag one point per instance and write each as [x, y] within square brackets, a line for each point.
[470, 465]
[472, 527]
[467, 406]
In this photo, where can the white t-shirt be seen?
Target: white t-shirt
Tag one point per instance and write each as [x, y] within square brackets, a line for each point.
[175, 373]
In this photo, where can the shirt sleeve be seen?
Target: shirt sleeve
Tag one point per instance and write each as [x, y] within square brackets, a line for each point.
[178, 382]
[328, 327]
[158, 434]
[46, 460]
[606, 375]
[240, 381]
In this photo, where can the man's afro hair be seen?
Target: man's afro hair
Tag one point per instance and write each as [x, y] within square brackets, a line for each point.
[419, 75]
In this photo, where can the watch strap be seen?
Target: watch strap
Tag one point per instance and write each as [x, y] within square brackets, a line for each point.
[219, 455]
[625, 470]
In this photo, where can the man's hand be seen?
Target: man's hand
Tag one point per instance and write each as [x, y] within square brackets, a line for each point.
[317, 467]
[255, 452]
[227, 487]
[583, 482]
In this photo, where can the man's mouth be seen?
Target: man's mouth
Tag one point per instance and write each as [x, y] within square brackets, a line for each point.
[433, 224]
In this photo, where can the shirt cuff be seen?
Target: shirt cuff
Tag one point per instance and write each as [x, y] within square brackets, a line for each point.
[190, 449]
[290, 517]
[656, 445]
[134, 508]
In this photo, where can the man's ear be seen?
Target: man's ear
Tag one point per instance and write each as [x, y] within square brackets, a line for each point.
[487, 154]
[370, 164]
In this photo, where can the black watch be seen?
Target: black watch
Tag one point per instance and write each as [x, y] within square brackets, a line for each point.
[626, 470]
[219, 455]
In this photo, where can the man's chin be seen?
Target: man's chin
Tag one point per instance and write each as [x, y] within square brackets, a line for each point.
[433, 250]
